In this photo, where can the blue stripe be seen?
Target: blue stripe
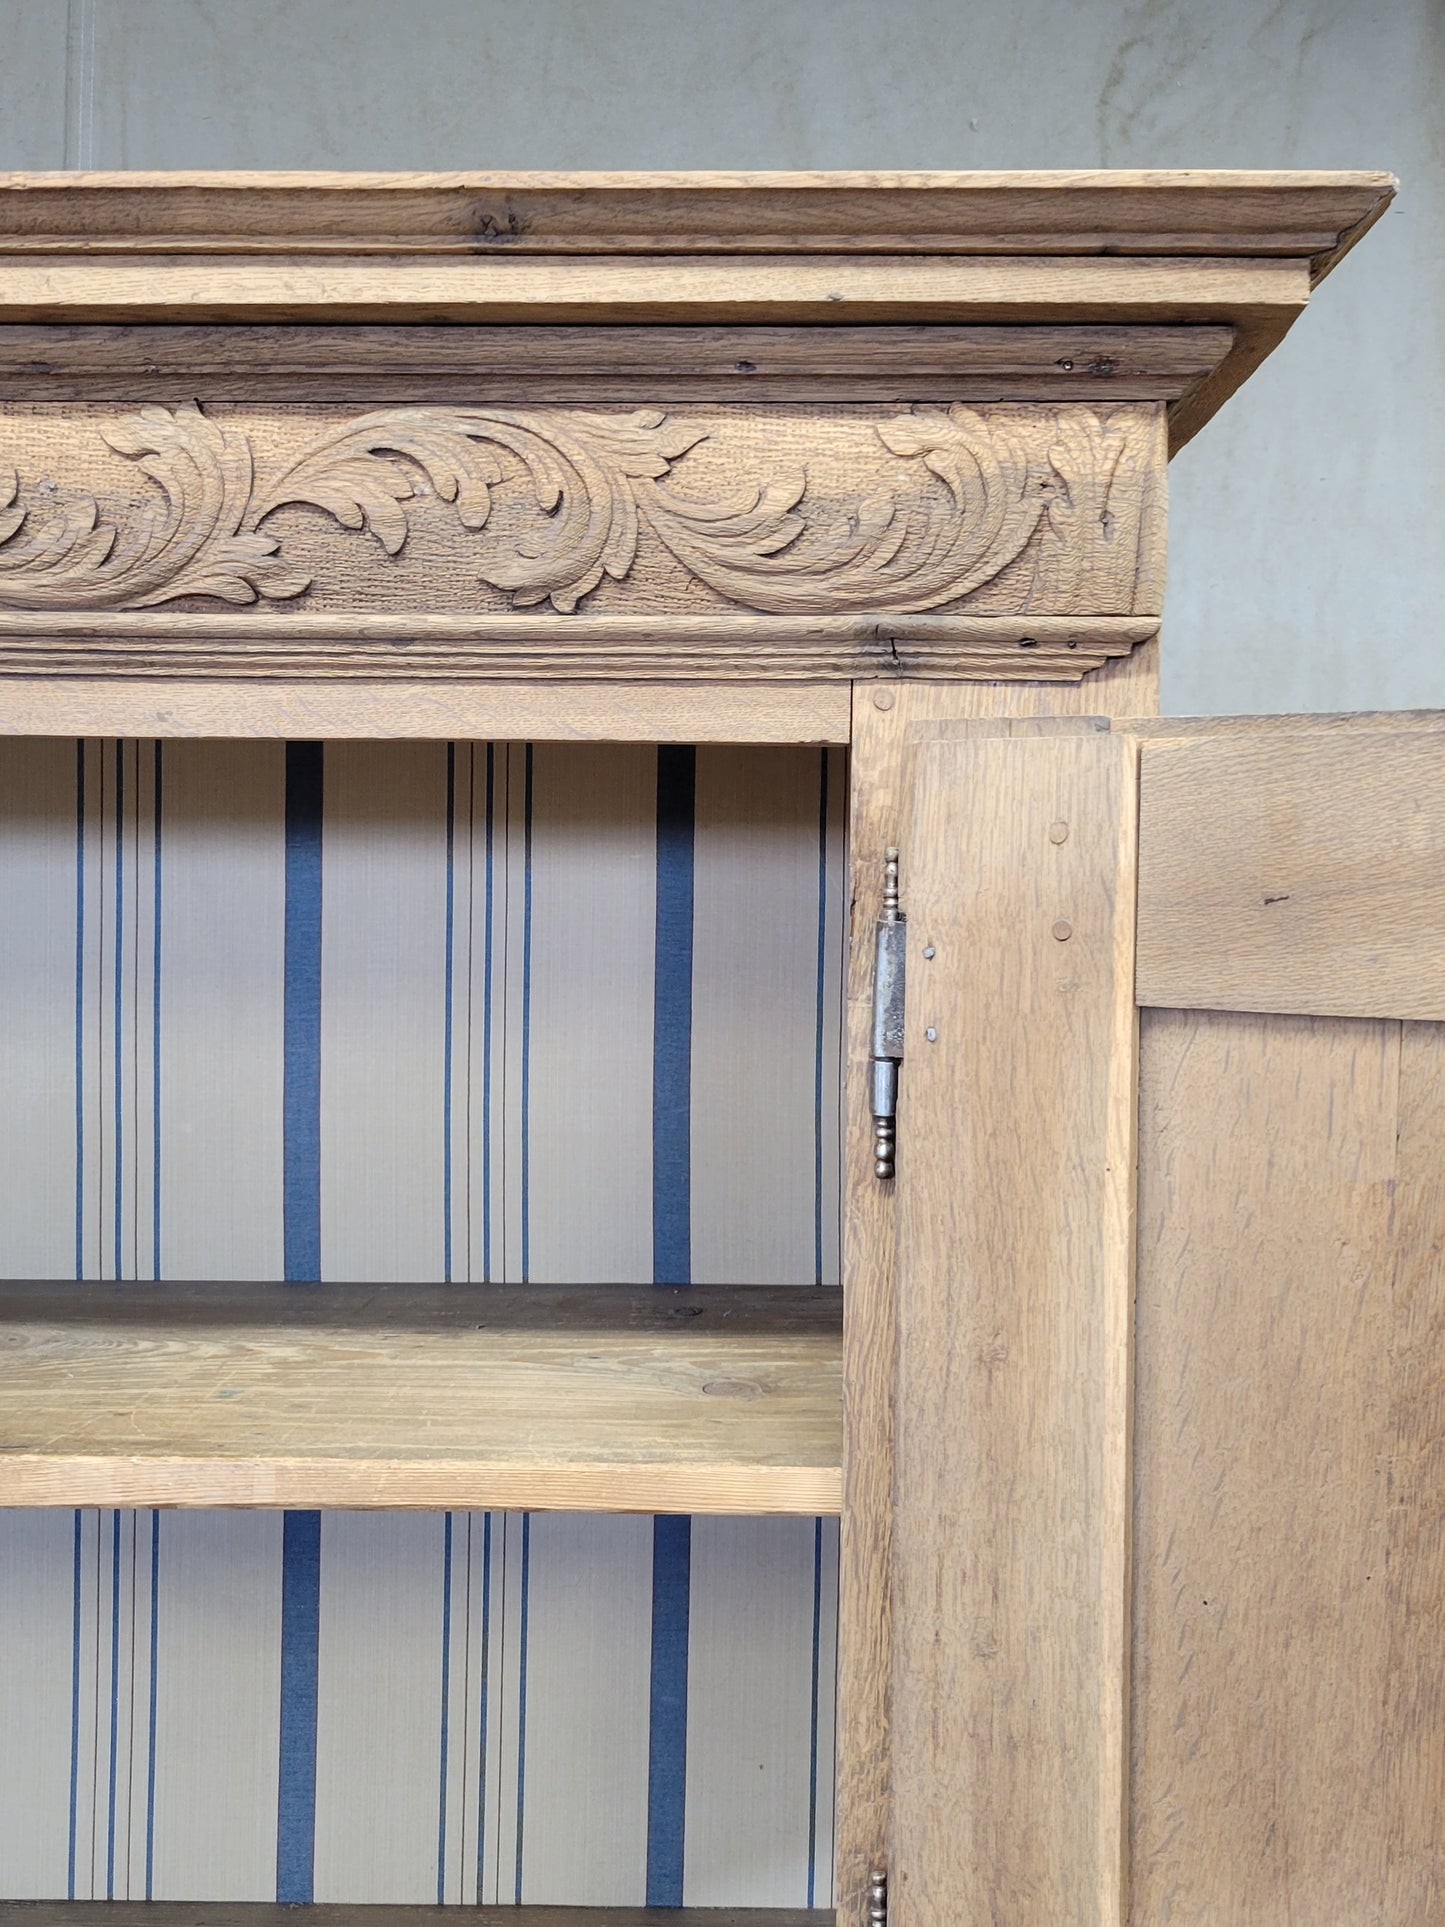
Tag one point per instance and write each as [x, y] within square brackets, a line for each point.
[301, 1205]
[300, 1632]
[446, 1703]
[667, 1729]
[522, 1689]
[447, 1020]
[672, 1018]
[486, 1661]
[119, 999]
[156, 1037]
[672, 1264]
[74, 1710]
[151, 1734]
[813, 1715]
[114, 1703]
[79, 1019]
[526, 1020]
[301, 1104]
[487, 1023]
[819, 1038]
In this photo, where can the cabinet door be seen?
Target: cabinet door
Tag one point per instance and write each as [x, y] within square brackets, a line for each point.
[1162, 1592]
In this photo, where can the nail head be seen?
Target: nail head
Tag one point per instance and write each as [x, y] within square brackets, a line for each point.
[882, 698]
[1063, 930]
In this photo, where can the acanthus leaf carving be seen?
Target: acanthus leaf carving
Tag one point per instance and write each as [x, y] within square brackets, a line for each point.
[969, 497]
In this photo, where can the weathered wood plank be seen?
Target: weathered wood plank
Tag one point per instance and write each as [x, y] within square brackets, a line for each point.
[1294, 872]
[1014, 1282]
[549, 648]
[534, 367]
[888, 718]
[505, 289]
[728, 712]
[1289, 1744]
[608, 1399]
[1412, 1718]
[1066, 211]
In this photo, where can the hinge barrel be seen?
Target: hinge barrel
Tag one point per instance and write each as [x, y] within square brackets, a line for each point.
[878, 1898]
[889, 969]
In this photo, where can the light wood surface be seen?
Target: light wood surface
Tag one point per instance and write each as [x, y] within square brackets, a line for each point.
[1258, 296]
[604, 1399]
[675, 288]
[1412, 1718]
[721, 712]
[539, 366]
[544, 648]
[193, 1913]
[1295, 872]
[1065, 211]
[1158, 729]
[1014, 1282]
[888, 719]
[1289, 1715]
[1233, 249]
[466, 512]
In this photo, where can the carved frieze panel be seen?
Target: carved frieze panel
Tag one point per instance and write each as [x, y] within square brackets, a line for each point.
[415, 539]
[789, 511]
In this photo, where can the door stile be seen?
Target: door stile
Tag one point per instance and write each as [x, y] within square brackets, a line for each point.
[891, 724]
[1014, 1278]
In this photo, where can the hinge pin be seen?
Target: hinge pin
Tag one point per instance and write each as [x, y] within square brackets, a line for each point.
[887, 1054]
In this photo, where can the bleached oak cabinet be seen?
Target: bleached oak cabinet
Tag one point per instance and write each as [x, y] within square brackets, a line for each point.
[1133, 1400]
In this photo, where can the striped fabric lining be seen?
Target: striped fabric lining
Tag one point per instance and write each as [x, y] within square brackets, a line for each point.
[376, 1011]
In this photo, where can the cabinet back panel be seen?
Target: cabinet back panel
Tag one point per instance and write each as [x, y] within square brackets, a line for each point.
[418, 1011]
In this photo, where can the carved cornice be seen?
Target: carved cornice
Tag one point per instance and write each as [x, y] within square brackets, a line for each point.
[1022, 509]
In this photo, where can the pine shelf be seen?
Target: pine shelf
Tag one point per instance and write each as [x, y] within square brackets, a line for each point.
[596, 1398]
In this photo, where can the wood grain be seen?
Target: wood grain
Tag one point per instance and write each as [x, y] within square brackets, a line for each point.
[609, 1399]
[1110, 211]
[664, 288]
[1295, 872]
[467, 510]
[539, 366]
[537, 712]
[1238, 251]
[888, 718]
[1326, 722]
[543, 647]
[1413, 1714]
[1289, 1730]
[1014, 1282]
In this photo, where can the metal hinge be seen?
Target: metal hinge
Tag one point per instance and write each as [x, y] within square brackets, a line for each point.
[878, 1898]
[888, 975]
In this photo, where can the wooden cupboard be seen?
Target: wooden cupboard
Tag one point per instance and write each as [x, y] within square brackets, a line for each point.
[1130, 1402]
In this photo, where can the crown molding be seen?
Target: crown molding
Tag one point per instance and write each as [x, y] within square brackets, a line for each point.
[1118, 212]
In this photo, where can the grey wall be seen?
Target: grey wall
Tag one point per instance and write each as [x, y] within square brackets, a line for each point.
[1307, 566]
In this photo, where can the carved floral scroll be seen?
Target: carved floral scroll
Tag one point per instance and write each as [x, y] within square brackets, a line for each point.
[1020, 508]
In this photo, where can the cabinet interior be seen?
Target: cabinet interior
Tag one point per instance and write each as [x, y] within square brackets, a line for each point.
[357, 1097]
